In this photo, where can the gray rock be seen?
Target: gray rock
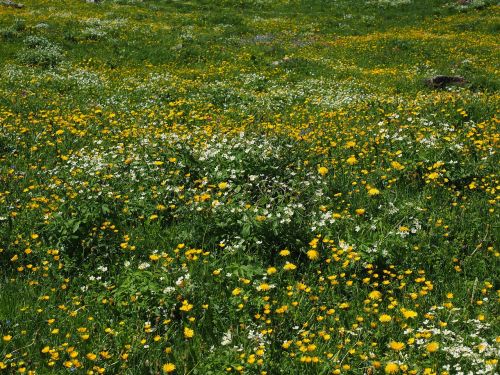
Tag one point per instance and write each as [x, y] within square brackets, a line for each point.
[9, 3]
[443, 81]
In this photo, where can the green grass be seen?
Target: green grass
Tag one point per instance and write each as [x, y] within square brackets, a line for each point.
[275, 176]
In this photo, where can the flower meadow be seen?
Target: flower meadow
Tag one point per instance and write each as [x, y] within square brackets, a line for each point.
[249, 187]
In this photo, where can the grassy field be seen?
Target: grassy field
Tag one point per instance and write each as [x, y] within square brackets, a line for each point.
[249, 186]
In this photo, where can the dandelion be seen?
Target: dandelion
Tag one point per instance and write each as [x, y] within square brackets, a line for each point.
[432, 347]
[289, 266]
[168, 367]
[188, 332]
[397, 166]
[433, 176]
[384, 318]
[313, 254]
[409, 314]
[271, 270]
[396, 346]
[322, 171]
[264, 287]
[351, 160]
[375, 294]
[391, 368]
[373, 192]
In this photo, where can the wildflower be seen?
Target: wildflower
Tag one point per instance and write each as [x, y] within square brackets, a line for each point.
[284, 252]
[396, 346]
[391, 368]
[264, 287]
[384, 318]
[313, 254]
[168, 367]
[322, 171]
[188, 332]
[432, 347]
[409, 314]
[186, 306]
[373, 192]
[222, 185]
[433, 176]
[7, 338]
[351, 160]
[375, 294]
[289, 266]
[360, 211]
[397, 165]
[236, 291]
[271, 270]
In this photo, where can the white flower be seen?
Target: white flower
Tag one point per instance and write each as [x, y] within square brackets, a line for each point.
[227, 338]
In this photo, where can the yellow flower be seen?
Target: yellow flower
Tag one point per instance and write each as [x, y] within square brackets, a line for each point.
[433, 176]
[373, 191]
[168, 367]
[322, 170]
[7, 338]
[397, 165]
[432, 347]
[186, 306]
[91, 356]
[409, 313]
[312, 254]
[397, 346]
[352, 160]
[105, 354]
[391, 368]
[222, 185]
[284, 253]
[384, 318]
[188, 332]
[271, 270]
[289, 266]
[263, 287]
[375, 294]
[236, 291]
[360, 211]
